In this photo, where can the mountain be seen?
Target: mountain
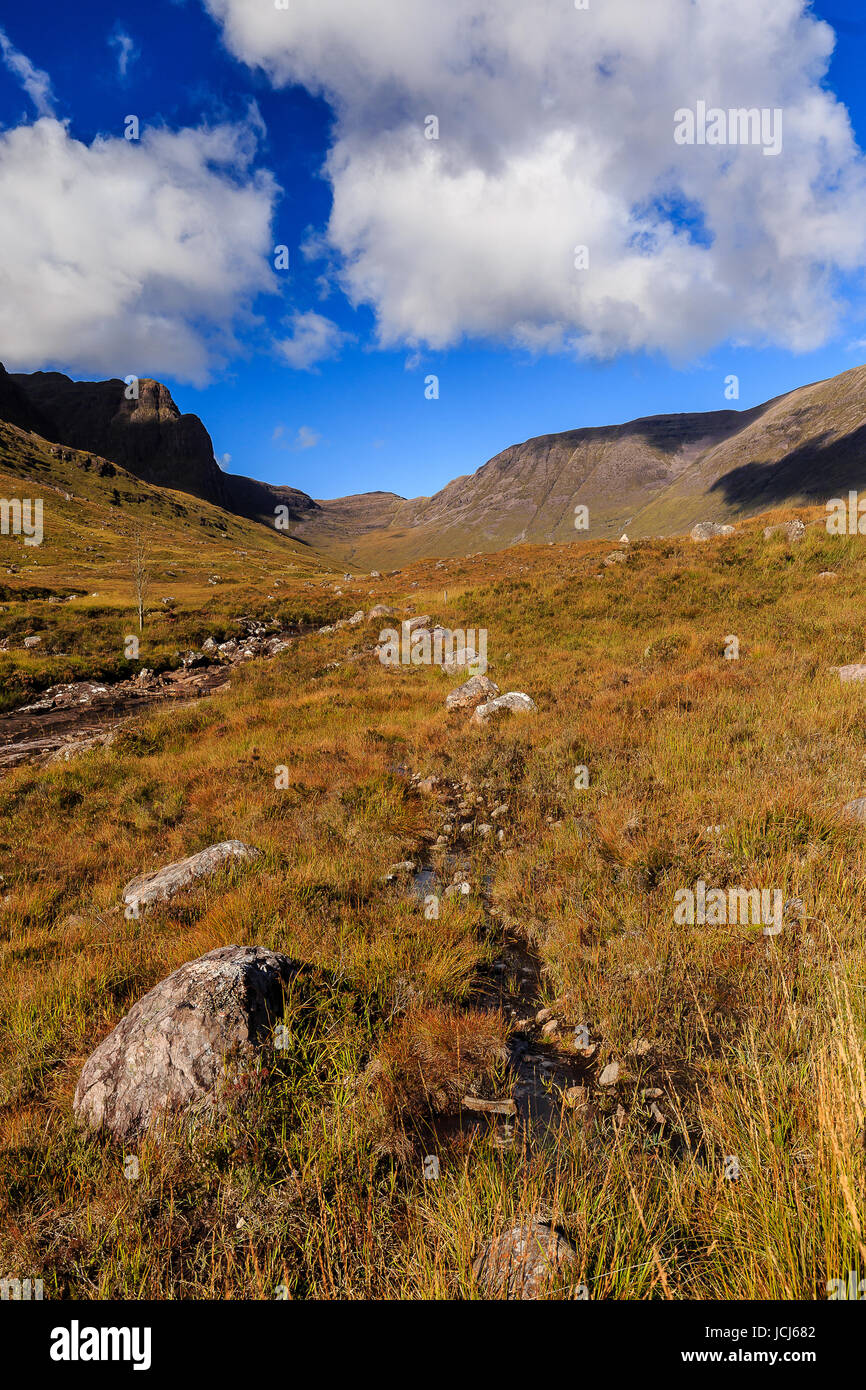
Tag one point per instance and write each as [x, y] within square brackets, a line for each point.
[652, 476]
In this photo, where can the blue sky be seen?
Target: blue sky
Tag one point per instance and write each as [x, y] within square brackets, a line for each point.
[357, 419]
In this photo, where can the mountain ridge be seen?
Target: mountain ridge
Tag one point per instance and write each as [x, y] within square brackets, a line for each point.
[655, 474]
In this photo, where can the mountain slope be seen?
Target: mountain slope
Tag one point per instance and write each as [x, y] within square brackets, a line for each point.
[652, 476]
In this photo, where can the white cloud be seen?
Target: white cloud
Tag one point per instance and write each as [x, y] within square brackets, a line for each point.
[127, 51]
[35, 82]
[556, 130]
[123, 257]
[313, 339]
[307, 438]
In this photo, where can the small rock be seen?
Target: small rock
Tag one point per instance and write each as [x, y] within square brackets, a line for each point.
[856, 810]
[706, 530]
[609, 1075]
[576, 1097]
[791, 531]
[164, 883]
[853, 672]
[406, 866]
[475, 692]
[526, 1262]
[515, 702]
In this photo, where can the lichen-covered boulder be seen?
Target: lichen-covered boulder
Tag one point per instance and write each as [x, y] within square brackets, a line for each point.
[181, 1047]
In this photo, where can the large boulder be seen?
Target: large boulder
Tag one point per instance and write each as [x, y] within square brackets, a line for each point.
[475, 692]
[515, 702]
[178, 1049]
[528, 1261]
[164, 883]
[706, 530]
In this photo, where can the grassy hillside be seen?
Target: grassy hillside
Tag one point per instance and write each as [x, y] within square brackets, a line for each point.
[699, 767]
[76, 592]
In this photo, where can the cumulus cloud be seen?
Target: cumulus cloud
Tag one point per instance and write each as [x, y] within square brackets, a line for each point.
[139, 257]
[35, 82]
[556, 130]
[313, 339]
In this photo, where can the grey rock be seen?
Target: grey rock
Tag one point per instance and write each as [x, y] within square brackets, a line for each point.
[182, 1046]
[515, 702]
[528, 1261]
[791, 531]
[164, 883]
[706, 530]
[856, 809]
[854, 672]
[475, 692]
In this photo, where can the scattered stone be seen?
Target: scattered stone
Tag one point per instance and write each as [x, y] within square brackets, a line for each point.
[406, 866]
[854, 672]
[489, 1107]
[381, 610]
[640, 1047]
[609, 1075]
[828, 574]
[526, 1262]
[164, 883]
[616, 557]
[32, 641]
[514, 702]
[475, 692]
[550, 1029]
[706, 530]
[184, 1045]
[792, 531]
[856, 809]
[576, 1097]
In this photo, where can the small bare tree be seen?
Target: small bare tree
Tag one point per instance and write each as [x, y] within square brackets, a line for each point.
[139, 564]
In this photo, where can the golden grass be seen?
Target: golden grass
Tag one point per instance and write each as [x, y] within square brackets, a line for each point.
[315, 1186]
